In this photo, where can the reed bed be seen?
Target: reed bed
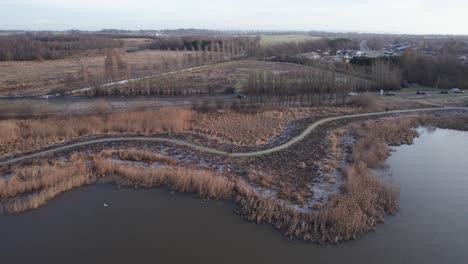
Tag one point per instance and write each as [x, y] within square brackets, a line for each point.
[207, 184]
[26, 135]
[28, 188]
[143, 122]
[364, 201]
[144, 156]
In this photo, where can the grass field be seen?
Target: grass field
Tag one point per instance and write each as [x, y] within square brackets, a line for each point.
[268, 40]
[7, 33]
[415, 89]
[40, 77]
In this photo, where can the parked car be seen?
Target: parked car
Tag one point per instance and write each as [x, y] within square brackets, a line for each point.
[353, 94]
[444, 92]
[240, 96]
[389, 93]
[421, 93]
[456, 90]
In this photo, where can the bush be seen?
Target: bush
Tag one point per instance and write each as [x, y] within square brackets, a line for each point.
[364, 102]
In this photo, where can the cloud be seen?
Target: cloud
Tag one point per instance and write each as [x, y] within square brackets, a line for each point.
[41, 21]
[405, 16]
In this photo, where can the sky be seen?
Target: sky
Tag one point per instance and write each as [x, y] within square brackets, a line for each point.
[369, 16]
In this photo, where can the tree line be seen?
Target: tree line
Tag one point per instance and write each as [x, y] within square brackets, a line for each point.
[50, 47]
[427, 70]
[314, 87]
[117, 69]
[225, 44]
[284, 51]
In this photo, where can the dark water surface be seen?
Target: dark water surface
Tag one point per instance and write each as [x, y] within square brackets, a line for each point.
[153, 226]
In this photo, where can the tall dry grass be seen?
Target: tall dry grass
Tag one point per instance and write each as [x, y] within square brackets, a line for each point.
[28, 188]
[9, 132]
[365, 199]
[144, 122]
[207, 184]
[35, 200]
[30, 179]
[457, 121]
[26, 135]
[145, 156]
[260, 178]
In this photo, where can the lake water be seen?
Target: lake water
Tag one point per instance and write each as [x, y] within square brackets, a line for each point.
[153, 226]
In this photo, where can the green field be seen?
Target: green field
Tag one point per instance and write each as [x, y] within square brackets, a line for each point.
[415, 89]
[7, 33]
[268, 40]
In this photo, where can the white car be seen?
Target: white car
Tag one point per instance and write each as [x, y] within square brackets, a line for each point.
[456, 90]
[353, 94]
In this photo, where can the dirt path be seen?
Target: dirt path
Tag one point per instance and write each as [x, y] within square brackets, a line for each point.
[201, 148]
[81, 90]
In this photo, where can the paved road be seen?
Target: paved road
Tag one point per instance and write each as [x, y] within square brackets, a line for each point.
[365, 48]
[201, 148]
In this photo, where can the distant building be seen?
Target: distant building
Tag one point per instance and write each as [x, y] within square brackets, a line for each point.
[346, 54]
[399, 48]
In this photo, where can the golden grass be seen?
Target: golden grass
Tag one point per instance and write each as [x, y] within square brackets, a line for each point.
[26, 135]
[260, 178]
[31, 187]
[247, 129]
[206, 183]
[145, 156]
[34, 201]
[9, 132]
[30, 179]
[364, 201]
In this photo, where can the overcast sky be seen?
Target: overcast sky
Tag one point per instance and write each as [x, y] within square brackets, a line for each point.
[389, 16]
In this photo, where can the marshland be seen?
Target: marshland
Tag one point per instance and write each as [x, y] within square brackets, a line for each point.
[198, 145]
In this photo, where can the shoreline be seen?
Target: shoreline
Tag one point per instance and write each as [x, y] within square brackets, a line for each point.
[323, 225]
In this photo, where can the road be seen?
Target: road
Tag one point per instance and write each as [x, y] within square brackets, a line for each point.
[369, 52]
[15, 107]
[201, 148]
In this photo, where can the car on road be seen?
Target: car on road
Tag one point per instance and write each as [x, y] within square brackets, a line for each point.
[421, 93]
[353, 94]
[389, 93]
[444, 92]
[456, 90]
[240, 96]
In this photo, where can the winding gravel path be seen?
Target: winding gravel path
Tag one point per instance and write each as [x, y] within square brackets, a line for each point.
[201, 148]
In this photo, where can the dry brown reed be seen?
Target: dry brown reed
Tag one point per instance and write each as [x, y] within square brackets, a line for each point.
[30, 179]
[9, 132]
[260, 178]
[144, 122]
[364, 201]
[26, 135]
[31, 187]
[145, 156]
[207, 184]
